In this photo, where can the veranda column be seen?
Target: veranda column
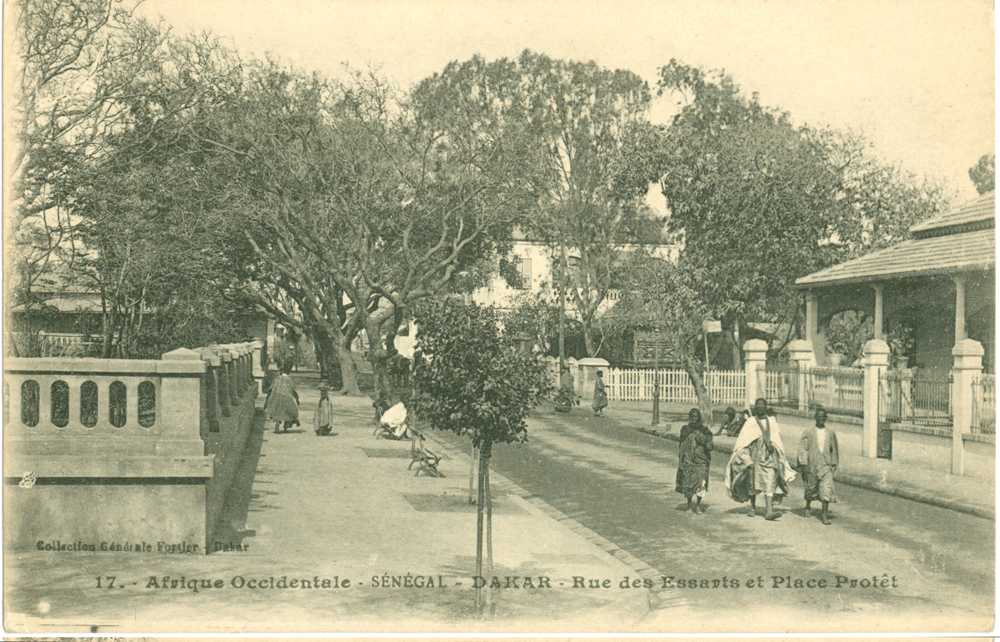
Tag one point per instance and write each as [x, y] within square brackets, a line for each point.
[876, 362]
[959, 310]
[968, 355]
[879, 327]
[801, 354]
[755, 352]
[812, 317]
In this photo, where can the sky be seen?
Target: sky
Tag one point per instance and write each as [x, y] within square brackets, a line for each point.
[916, 77]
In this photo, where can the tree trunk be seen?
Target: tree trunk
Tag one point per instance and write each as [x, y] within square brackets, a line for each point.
[479, 538]
[489, 536]
[693, 368]
[348, 369]
[588, 339]
[328, 358]
[472, 474]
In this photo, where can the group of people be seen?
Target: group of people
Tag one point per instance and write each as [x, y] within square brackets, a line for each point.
[282, 404]
[758, 464]
[566, 395]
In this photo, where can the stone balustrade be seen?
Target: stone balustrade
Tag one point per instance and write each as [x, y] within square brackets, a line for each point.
[116, 448]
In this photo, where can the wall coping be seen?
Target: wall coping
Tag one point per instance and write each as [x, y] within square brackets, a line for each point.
[981, 438]
[71, 366]
[921, 430]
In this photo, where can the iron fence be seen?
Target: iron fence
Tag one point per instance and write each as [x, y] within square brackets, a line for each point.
[984, 404]
[915, 398]
[839, 390]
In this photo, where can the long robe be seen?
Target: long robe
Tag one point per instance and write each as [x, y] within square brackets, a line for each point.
[283, 401]
[750, 456]
[600, 396]
[323, 416]
[818, 465]
[694, 458]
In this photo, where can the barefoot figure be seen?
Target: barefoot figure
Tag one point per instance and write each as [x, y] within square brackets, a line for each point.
[694, 457]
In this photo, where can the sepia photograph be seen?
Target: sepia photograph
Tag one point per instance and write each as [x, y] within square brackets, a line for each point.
[498, 317]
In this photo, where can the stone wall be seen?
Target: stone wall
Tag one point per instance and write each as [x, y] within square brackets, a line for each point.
[124, 452]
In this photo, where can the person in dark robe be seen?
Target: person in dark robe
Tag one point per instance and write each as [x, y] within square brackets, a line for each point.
[731, 424]
[282, 406]
[694, 458]
[817, 460]
[600, 395]
[758, 465]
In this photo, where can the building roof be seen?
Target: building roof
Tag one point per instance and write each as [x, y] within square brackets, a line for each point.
[948, 254]
[961, 240]
[980, 209]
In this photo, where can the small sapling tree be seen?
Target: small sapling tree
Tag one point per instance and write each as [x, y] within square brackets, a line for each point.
[469, 379]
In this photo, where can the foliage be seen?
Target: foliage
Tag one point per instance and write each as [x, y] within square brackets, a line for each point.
[983, 173]
[663, 295]
[901, 339]
[847, 333]
[761, 201]
[470, 379]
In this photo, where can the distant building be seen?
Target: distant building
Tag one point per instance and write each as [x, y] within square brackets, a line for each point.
[538, 265]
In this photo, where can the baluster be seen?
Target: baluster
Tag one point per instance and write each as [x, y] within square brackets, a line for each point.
[45, 401]
[74, 384]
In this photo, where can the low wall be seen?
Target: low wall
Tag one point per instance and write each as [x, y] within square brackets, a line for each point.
[927, 447]
[980, 457]
[136, 454]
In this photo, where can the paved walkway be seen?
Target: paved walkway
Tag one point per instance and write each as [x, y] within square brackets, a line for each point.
[341, 508]
[956, 492]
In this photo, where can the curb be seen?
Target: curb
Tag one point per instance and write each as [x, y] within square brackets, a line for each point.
[642, 569]
[861, 481]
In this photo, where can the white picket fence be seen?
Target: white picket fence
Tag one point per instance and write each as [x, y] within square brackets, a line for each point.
[724, 386]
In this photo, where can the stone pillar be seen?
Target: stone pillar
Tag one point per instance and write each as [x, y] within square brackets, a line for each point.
[800, 353]
[258, 366]
[812, 317]
[959, 310]
[226, 401]
[574, 369]
[755, 358]
[876, 362]
[588, 374]
[214, 410]
[879, 325]
[968, 366]
[181, 372]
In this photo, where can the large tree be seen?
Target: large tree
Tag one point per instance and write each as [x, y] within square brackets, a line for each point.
[761, 201]
[358, 201]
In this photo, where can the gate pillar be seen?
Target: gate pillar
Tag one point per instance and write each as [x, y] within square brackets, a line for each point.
[876, 362]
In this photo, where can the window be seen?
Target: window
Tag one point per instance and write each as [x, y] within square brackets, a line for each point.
[523, 266]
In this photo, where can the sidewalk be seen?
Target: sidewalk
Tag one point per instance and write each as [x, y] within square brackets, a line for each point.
[343, 507]
[960, 493]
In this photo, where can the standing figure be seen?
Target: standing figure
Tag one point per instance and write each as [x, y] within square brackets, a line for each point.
[566, 396]
[758, 464]
[282, 406]
[323, 417]
[818, 459]
[600, 396]
[694, 457]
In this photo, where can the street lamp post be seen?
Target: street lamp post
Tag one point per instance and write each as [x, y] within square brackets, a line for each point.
[656, 379]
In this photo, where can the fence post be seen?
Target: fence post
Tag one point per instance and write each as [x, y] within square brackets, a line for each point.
[800, 352]
[753, 363]
[876, 361]
[968, 367]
